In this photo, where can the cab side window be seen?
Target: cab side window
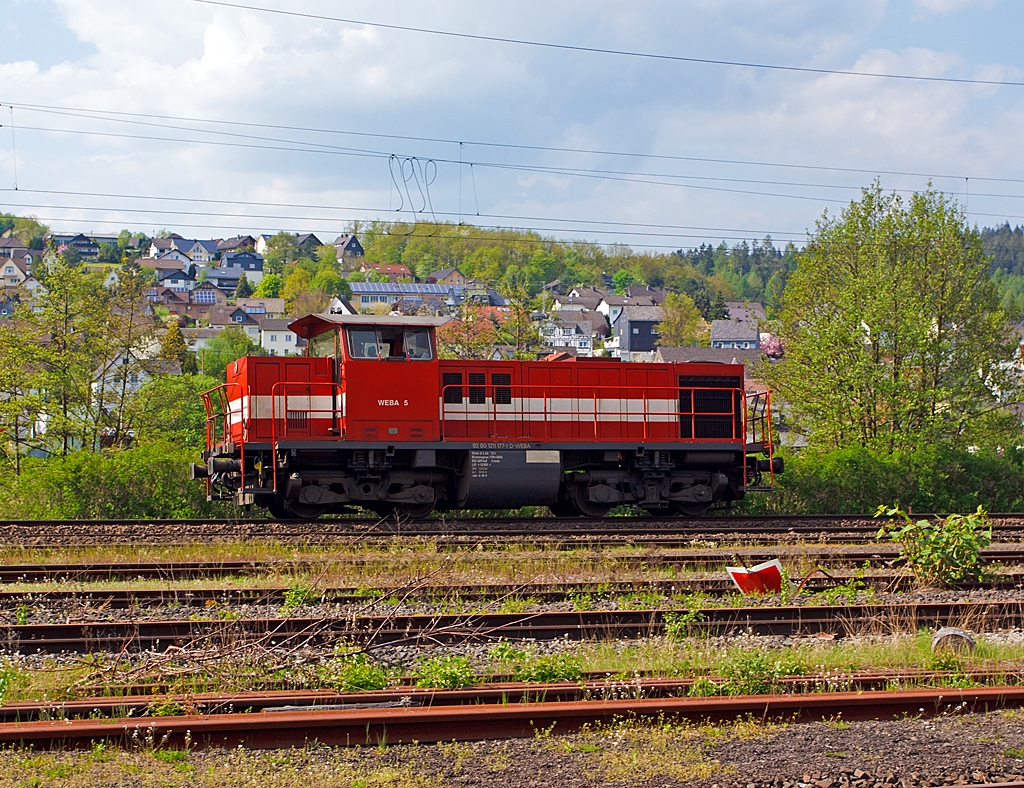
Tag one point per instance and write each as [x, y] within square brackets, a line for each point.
[362, 343]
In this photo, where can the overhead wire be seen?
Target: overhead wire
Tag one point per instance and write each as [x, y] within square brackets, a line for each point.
[610, 51]
[326, 219]
[549, 170]
[520, 146]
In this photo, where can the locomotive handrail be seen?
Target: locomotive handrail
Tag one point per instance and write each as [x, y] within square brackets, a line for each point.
[212, 415]
[335, 389]
[577, 394]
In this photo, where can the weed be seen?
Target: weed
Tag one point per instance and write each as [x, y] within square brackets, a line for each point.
[553, 667]
[944, 550]
[517, 604]
[580, 601]
[682, 624]
[838, 723]
[21, 615]
[165, 708]
[704, 687]
[356, 672]
[446, 672]
[297, 595]
[1014, 752]
[757, 673]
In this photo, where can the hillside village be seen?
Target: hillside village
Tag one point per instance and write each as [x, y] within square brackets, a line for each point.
[205, 286]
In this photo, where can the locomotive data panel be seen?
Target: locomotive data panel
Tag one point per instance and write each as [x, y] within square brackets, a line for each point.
[509, 478]
[372, 417]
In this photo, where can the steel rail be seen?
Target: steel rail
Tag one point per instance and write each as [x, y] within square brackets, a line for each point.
[60, 532]
[468, 722]
[495, 690]
[876, 555]
[127, 598]
[378, 631]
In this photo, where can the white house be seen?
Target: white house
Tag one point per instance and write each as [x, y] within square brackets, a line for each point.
[736, 334]
[277, 339]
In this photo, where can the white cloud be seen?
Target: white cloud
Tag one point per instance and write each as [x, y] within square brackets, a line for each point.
[945, 7]
[181, 58]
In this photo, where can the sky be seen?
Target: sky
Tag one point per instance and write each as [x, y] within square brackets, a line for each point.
[212, 121]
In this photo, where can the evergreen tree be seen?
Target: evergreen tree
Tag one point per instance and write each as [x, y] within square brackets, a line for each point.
[243, 289]
[174, 347]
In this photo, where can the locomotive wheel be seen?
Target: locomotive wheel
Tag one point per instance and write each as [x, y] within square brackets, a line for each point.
[413, 511]
[692, 508]
[564, 509]
[280, 510]
[586, 507]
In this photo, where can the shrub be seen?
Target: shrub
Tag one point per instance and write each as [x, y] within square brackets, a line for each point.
[149, 480]
[943, 550]
[934, 478]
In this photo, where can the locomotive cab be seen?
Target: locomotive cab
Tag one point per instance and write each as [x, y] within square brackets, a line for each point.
[372, 417]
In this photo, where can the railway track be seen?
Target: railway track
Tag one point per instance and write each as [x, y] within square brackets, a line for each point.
[845, 555]
[454, 530]
[128, 598]
[378, 631]
[497, 690]
[396, 723]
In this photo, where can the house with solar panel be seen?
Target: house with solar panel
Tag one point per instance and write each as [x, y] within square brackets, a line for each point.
[410, 296]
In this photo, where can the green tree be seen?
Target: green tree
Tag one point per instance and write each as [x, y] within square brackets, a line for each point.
[21, 391]
[297, 284]
[170, 408]
[893, 331]
[270, 286]
[281, 249]
[682, 325]
[229, 345]
[243, 289]
[518, 328]
[174, 347]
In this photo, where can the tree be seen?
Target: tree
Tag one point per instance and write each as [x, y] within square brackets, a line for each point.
[894, 334]
[243, 289]
[174, 347]
[270, 286]
[281, 249]
[472, 336]
[21, 398]
[297, 283]
[682, 325]
[229, 345]
[518, 328]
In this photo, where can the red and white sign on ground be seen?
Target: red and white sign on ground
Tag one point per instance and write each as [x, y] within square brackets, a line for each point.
[764, 578]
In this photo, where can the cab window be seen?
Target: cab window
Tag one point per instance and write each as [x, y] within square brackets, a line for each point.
[390, 343]
[322, 344]
[362, 343]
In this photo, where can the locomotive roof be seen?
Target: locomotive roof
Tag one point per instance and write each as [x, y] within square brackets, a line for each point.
[310, 325]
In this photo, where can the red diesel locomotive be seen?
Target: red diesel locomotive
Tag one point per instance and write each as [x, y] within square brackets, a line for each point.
[370, 416]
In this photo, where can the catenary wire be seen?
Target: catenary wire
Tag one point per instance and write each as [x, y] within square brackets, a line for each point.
[608, 51]
[519, 146]
[326, 219]
[315, 206]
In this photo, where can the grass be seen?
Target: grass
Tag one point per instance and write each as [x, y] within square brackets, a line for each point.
[312, 767]
[636, 751]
